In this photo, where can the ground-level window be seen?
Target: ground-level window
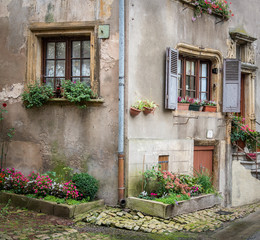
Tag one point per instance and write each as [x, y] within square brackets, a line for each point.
[194, 78]
[66, 58]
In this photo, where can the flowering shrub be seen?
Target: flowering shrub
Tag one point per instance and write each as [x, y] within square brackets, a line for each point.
[170, 188]
[208, 103]
[42, 185]
[241, 131]
[183, 100]
[211, 6]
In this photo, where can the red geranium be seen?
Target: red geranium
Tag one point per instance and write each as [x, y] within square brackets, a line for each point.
[4, 104]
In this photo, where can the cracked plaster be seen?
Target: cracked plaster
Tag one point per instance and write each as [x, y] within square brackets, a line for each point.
[12, 94]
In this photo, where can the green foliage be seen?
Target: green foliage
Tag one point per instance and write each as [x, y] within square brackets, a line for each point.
[36, 95]
[60, 174]
[205, 181]
[86, 185]
[173, 198]
[4, 211]
[77, 92]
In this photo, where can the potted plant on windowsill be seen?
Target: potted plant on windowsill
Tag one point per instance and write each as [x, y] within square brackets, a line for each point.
[195, 104]
[149, 106]
[183, 103]
[136, 108]
[209, 106]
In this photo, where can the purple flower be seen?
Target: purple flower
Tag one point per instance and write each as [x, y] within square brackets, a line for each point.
[193, 19]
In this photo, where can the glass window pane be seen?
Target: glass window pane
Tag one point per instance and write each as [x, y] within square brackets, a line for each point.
[192, 83]
[86, 67]
[50, 68]
[203, 96]
[86, 81]
[203, 82]
[187, 82]
[86, 49]
[204, 70]
[50, 50]
[76, 49]
[60, 50]
[60, 68]
[75, 67]
[192, 68]
[188, 67]
[179, 64]
[49, 82]
[179, 81]
[179, 93]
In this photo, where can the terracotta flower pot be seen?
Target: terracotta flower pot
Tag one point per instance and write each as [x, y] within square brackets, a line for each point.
[210, 108]
[183, 106]
[148, 110]
[134, 111]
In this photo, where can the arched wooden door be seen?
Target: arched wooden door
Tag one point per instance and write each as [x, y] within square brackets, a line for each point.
[203, 159]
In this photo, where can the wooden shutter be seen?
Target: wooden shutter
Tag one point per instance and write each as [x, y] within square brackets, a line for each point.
[231, 85]
[171, 83]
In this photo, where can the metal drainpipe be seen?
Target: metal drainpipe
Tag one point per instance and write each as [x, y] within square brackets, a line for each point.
[121, 187]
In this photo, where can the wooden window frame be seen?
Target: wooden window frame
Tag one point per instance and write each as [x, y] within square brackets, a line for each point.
[38, 31]
[198, 63]
[68, 57]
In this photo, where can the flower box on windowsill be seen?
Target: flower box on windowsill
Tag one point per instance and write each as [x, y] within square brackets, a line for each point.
[183, 106]
[194, 107]
[208, 108]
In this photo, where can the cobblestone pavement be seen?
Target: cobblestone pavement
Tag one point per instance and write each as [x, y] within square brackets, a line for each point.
[114, 223]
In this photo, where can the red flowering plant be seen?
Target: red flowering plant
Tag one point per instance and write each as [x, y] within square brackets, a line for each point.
[241, 131]
[220, 7]
[15, 181]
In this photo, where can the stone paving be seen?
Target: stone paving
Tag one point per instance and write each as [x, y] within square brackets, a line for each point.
[125, 219]
[200, 221]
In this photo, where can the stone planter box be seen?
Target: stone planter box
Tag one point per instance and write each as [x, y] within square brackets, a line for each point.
[51, 208]
[162, 210]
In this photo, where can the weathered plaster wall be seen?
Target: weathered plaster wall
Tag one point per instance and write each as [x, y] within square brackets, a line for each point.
[245, 187]
[152, 27]
[84, 139]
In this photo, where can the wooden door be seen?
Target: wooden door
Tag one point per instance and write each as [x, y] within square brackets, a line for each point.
[203, 159]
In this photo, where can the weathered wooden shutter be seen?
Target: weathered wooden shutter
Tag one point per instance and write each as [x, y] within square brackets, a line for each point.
[171, 83]
[231, 85]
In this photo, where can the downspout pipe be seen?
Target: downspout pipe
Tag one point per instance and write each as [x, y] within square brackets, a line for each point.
[121, 155]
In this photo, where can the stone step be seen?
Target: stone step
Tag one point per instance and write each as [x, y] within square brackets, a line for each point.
[250, 164]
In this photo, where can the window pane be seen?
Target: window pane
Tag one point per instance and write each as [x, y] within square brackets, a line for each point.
[60, 50]
[191, 94]
[60, 68]
[203, 96]
[192, 68]
[86, 80]
[179, 66]
[50, 50]
[86, 49]
[50, 68]
[204, 70]
[188, 67]
[76, 49]
[192, 83]
[86, 68]
[49, 82]
[179, 81]
[203, 82]
[75, 67]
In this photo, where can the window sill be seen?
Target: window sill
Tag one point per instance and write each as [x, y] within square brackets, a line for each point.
[192, 114]
[63, 101]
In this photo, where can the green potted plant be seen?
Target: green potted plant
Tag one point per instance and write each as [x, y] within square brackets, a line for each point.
[195, 104]
[149, 106]
[183, 103]
[209, 106]
[36, 95]
[238, 134]
[136, 108]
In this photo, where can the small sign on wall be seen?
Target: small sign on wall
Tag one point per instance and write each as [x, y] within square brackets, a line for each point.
[103, 31]
[209, 134]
